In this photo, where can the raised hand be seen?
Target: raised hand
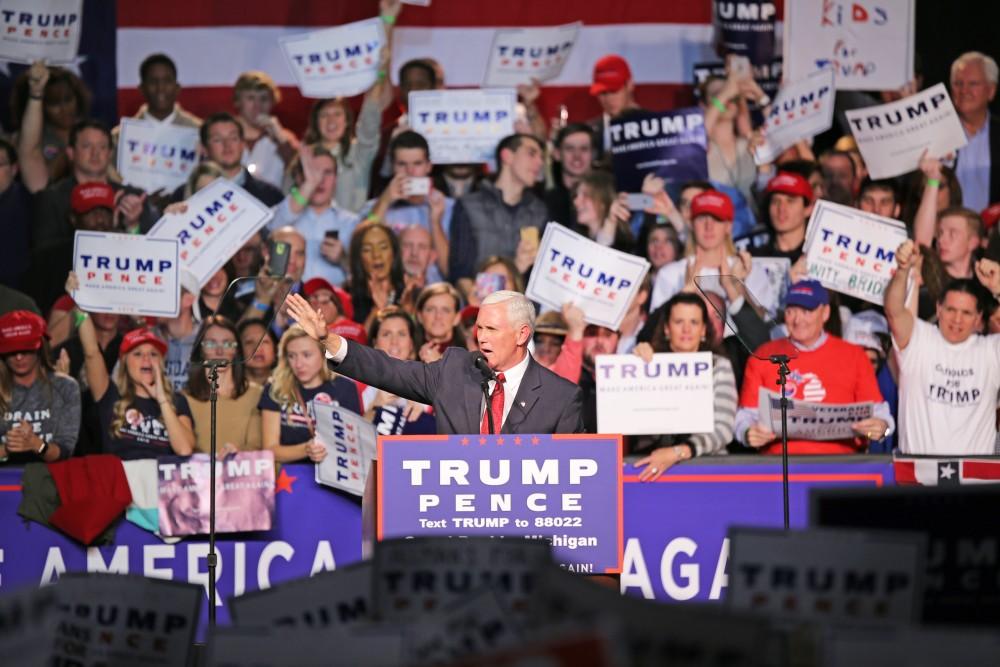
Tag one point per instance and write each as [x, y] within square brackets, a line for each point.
[310, 319]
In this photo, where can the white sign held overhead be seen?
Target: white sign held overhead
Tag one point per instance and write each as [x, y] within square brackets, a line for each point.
[892, 137]
[519, 55]
[47, 30]
[868, 45]
[462, 126]
[156, 156]
[336, 62]
[800, 111]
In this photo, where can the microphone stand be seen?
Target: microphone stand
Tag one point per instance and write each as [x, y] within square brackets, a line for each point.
[213, 366]
[485, 384]
[779, 360]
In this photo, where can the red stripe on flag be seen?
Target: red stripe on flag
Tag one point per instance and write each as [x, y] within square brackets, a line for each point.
[294, 109]
[905, 472]
[981, 470]
[441, 13]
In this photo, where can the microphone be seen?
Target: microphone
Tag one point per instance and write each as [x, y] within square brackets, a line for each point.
[479, 361]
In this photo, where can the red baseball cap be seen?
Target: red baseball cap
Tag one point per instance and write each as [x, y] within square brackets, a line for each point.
[137, 337]
[21, 331]
[611, 73]
[789, 183]
[313, 285]
[468, 315]
[989, 216]
[714, 203]
[350, 330]
[88, 196]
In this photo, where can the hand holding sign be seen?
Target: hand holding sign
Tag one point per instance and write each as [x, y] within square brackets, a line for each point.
[38, 76]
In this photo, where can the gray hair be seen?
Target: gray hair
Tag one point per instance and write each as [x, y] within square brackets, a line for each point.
[520, 310]
[989, 65]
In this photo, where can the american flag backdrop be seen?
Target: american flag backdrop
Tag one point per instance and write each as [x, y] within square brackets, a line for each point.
[212, 42]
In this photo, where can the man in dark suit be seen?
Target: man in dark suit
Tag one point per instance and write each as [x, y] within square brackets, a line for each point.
[524, 398]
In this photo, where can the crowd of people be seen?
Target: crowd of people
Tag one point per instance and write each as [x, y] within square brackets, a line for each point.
[404, 270]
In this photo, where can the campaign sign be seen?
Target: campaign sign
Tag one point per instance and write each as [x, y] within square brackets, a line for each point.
[563, 489]
[811, 421]
[598, 279]
[113, 619]
[746, 28]
[426, 574]
[218, 221]
[325, 600]
[519, 55]
[869, 44]
[156, 156]
[47, 30]
[350, 447]
[670, 144]
[768, 75]
[28, 624]
[800, 111]
[462, 126]
[827, 574]
[336, 62]
[244, 493]
[280, 647]
[892, 137]
[851, 251]
[127, 274]
[672, 394]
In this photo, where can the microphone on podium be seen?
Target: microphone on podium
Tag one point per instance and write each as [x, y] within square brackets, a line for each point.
[479, 361]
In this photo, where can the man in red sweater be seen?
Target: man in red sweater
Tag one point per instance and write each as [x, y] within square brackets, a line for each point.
[825, 369]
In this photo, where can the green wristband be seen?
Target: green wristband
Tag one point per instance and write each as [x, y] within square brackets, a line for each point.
[719, 104]
[78, 318]
[388, 19]
[933, 182]
[380, 75]
[297, 196]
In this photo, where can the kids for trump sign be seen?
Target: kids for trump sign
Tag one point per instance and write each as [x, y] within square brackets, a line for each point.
[868, 43]
[671, 394]
[564, 489]
[800, 111]
[670, 144]
[462, 126]
[892, 137]
[519, 55]
[600, 280]
[851, 251]
[47, 30]
[126, 274]
[336, 62]
[156, 156]
[218, 221]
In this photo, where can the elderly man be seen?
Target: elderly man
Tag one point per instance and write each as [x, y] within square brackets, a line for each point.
[824, 369]
[973, 85]
[524, 397]
[948, 374]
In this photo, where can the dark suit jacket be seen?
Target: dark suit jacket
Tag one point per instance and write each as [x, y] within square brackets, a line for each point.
[263, 191]
[545, 402]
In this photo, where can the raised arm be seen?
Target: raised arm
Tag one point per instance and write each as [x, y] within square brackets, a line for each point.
[34, 173]
[899, 316]
[926, 218]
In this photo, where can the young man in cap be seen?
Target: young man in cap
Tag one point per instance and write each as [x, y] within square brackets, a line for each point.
[788, 200]
[824, 369]
[39, 408]
[949, 375]
[615, 91]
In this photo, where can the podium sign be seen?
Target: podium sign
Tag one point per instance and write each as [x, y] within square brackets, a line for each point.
[566, 489]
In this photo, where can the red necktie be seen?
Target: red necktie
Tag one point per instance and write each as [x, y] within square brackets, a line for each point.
[495, 407]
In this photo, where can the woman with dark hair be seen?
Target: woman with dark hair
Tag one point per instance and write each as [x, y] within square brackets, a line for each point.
[685, 327]
[439, 309]
[394, 332]
[601, 213]
[376, 270]
[237, 416]
[39, 408]
[260, 358]
[47, 117]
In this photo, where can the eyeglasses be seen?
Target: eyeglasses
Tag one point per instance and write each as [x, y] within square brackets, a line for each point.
[218, 345]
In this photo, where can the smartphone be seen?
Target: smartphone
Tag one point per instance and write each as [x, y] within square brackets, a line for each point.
[530, 235]
[333, 234]
[277, 263]
[417, 186]
[637, 201]
[739, 66]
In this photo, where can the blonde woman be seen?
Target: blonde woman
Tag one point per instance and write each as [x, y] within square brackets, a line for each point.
[141, 416]
[301, 377]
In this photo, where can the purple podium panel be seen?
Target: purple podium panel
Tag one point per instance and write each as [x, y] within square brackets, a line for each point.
[566, 489]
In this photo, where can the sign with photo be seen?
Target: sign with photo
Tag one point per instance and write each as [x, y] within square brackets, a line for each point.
[811, 421]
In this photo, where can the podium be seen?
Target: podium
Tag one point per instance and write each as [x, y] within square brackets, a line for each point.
[566, 489]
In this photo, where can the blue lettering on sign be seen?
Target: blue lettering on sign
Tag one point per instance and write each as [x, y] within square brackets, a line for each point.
[804, 100]
[506, 50]
[655, 369]
[211, 210]
[124, 263]
[912, 110]
[162, 150]
[335, 55]
[650, 128]
[587, 271]
[463, 116]
[40, 20]
[863, 248]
